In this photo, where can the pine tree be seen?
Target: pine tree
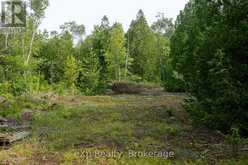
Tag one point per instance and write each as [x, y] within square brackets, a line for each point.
[142, 45]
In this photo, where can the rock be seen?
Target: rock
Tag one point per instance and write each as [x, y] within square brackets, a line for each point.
[2, 99]
[172, 119]
[6, 104]
[3, 120]
[2, 135]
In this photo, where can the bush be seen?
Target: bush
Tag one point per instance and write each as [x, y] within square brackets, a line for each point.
[174, 83]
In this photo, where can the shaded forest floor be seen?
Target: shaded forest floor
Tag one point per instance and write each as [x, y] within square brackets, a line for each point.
[80, 129]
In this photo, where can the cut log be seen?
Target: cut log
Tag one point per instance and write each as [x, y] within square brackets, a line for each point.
[3, 125]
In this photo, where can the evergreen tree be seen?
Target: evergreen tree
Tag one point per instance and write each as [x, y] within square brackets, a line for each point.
[89, 73]
[142, 45]
[100, 46]
[209, 48]
[71, 72]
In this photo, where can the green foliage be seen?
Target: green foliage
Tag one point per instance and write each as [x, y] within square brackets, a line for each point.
[100, 45]
[13, 106]
[170, 79]
[71, 71]
[174, 82]
[54, 55]
[142, 48]
[39, 6]
[235, 140]
[163, 25]
[67, 62]
[89, 79]
[19, 78]
[209, 49]
[116, 54]
[75, 30]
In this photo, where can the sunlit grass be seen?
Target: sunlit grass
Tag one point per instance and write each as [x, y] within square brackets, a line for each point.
[119, 123]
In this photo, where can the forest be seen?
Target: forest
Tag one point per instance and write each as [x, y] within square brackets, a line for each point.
[173, 85]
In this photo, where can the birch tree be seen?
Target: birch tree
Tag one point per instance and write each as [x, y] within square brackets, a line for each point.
[116, 52]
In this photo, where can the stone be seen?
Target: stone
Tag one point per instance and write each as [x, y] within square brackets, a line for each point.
[3, 120]
[2, 99]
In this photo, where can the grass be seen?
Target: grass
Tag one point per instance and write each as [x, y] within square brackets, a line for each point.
[62, 132]
[110, 127]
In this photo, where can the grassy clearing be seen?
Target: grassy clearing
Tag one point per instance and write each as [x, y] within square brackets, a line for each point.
[74, 126]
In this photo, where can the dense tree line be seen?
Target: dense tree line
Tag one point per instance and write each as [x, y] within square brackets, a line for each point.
[69, 61]
[209, 48]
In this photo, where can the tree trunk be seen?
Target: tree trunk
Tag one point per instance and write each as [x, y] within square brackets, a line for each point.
[126, 66]
[30, 47]
[6, 40]
[119, 73]
[23, 45]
